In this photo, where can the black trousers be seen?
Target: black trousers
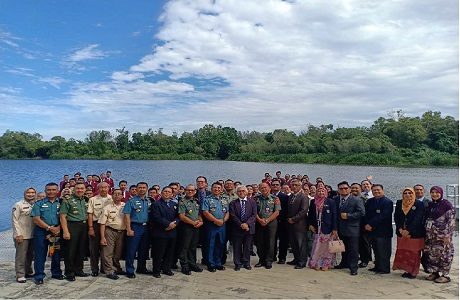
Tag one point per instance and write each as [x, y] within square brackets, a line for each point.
[163, 253]
[298, 242]
[282, 241]
[242, 249]
[204, 245]
[188, 244]
[95, 248]
[265, 241]
[364, 248]
[382, 252]
[74, 248]
[351, 254]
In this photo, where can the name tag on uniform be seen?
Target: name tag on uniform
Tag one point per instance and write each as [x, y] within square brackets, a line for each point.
[328, 211]
[224, 209]
[377, 211]
[267, 209]
[138, 210]
[45, 205]
[414, 208]
[213, 209]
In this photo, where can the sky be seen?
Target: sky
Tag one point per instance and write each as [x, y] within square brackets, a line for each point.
[70, 67]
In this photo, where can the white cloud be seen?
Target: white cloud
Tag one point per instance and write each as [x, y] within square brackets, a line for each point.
[54, 81]
[87, 53]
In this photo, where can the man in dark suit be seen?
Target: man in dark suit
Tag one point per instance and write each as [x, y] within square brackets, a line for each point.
[378, 222]
[243, 223]
[282, 233]
[164, 219]
[297, 220]
[350, 209]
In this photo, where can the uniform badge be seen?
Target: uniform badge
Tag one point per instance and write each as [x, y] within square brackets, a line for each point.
[377, 211]
[414, 208]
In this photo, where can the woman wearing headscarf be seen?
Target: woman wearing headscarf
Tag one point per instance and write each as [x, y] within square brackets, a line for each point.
[440, 226]
[322, 220]
[23, 234]
[410, 229]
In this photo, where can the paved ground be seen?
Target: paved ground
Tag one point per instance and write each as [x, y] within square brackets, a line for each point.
[280, 282]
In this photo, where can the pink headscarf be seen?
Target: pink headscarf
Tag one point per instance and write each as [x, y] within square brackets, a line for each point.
[319, 201]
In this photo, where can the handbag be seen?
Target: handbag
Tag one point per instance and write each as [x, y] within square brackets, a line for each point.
[336, 246]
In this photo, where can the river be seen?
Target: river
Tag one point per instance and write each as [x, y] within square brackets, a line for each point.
[17, 175]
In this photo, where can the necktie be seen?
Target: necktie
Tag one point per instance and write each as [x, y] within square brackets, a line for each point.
[243, 209]
[342, 202]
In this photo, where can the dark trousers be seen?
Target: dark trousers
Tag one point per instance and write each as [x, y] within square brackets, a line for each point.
[265, 241]
[364, 248]
[242, 249]
[163, 253]
[282, 241]
[310, 238]
[382, 252]
[139, 242]
[204, 244]
[228, 237]
[215, 238]
[75, 247]
[41, 244]
[190, 238]
[298, 242]
[351, 254]
[95, 248]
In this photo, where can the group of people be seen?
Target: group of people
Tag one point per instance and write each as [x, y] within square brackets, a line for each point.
[77, 219]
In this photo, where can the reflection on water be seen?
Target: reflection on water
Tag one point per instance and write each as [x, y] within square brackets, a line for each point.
[17, 175]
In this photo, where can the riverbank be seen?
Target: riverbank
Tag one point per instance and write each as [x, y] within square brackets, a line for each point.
[283, 281]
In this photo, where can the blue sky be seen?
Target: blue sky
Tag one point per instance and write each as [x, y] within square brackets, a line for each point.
[69, 67]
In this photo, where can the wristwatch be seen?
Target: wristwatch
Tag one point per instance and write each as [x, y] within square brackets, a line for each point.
[48, 228]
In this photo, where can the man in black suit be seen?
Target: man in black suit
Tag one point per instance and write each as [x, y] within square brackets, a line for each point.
[243, 223]
[351, 210]
[297, 220]
[282, 233]
[164, 219]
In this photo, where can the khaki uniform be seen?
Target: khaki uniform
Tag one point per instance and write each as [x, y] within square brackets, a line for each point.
[265, 237]
[23, 225]
[95, 206]
[113, 218]
[189, 234]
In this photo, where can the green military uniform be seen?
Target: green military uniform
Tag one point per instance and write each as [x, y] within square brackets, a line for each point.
[266, 235]
[75, 210]
[190, 207]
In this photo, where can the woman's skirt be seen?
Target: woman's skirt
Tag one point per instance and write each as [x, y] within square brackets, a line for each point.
[320, 256]
[408, 255]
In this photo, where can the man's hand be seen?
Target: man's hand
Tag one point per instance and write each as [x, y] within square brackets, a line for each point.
[368, 227]
[103, 242]
[91, 232]
[129, 232]
[312, 228]
[19, 238]
[290, 221]
[344, 215]
[245, 227]
[66, 235]
[55, 230]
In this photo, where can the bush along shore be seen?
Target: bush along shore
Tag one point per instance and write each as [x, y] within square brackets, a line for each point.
[429, 140]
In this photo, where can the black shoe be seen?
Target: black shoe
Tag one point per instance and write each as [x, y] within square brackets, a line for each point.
[299, 267]
[196, 269]
[186, 271]
[247, 267]
[404, 274]
[281, 261]
[237, 268]
[143, 271]
[38, 282]
[29, 276]
[220, 268]
[120, 272]
[353, 273]
[102, 271]
[131, 275]
[410, 276]
[340, 267]
[374, 269]
[112, 276]
[259, 264]
[268, 266]
[292, 262]
[70, 278]
[168, 273]
[211, 269]
[58, 277]
[362, 265]
[82, 274]
[95, 274]
[253, 253]
[156, 275]
[382, 272]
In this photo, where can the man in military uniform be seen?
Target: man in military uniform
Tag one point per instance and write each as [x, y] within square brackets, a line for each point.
[45, 215]
[136, 213]
[215, 210]
[189, 214]
[230, 194]
[112, 231]
[23, 227]
[202, 192]
[74, 219]
[268, 209]
[95, 206]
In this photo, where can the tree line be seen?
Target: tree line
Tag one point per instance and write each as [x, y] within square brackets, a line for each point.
[429, 140]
